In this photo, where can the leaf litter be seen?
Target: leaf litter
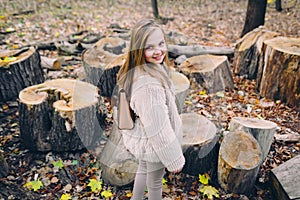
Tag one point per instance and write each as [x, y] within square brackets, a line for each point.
[68, 175]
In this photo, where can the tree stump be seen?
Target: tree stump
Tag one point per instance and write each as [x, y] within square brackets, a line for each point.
[102, 62]
[3, 166]
[249, 52]
[262, 130]
[60, 115]
[210, 72]
[239, 162]
[200, 145]
[181, 84]
[281, 75]
[118, 165]
[285, 179]
[19, 69]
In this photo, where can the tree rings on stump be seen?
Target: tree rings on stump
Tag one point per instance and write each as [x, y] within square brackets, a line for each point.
[60, 115]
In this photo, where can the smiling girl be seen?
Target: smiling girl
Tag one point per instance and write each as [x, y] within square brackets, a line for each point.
[156, 137]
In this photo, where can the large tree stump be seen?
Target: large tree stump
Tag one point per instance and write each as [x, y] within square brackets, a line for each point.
[284, 180]
[102, 62]
[281, 75]
[118, 165]
[19, 69]
[60, 115]
[262, 130]
[239, 162]
[210, 72]
[181, 84]
[249, 52]
[3, 166]
[200, 145]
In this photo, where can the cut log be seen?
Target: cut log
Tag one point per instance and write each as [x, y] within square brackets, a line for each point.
[284, 180]
[262, 130]
[10, 190]
[118, 165]
[60, 115]
[51, 63]
[101, 64]
[248, 52]
[195, 50]
[200, 145]
[281, 75]
[181, 84]
[239, 161]
[211, 73]
[3, 166]
[19, 69]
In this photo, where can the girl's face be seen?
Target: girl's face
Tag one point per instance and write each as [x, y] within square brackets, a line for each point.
[155, 47]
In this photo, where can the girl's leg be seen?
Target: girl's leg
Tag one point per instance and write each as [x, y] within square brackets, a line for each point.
[154, 180]
[139, 185]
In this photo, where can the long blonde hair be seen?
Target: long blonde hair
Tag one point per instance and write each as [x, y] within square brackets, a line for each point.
[135, 57]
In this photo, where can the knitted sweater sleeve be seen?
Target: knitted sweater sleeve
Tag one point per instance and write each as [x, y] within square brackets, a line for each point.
[149, 103]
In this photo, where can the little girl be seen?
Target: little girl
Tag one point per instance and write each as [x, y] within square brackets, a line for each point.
[156, 137]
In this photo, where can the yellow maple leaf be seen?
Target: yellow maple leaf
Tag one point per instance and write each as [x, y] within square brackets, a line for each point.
[95, 185]
[203, 179]
[65, 197]
[106, 194]
[34, 185]
[129, 194]
[210, 192]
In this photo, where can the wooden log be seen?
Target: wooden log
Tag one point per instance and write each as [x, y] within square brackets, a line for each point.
[51, 63]
[281, 75]
[284, 180]
[11, 190]
[19, 69]
[195, 50]
[118, 165]
[181, 84]
[239, 162]
[200, 145]
[249, 51]
[4, 169]
[211, 73]
[100, 61]
[262, 130]
[60, 115]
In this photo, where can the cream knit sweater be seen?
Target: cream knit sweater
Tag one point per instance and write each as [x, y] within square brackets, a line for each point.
[157, 134]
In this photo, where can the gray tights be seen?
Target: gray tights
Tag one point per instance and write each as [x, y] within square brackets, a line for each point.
[149, 174]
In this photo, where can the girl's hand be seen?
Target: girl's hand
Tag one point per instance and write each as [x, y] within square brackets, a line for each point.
[177, 170]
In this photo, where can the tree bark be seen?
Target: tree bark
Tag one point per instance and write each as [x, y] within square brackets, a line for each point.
[239, 162]
[249, 52]
[255, 16]
[278, 5]
[283, 180]
[262, 130]
[3, 166]
[155, 8]
[281, 75]
[24, 71]
[60, 115]
[208, 72]
[200, 145]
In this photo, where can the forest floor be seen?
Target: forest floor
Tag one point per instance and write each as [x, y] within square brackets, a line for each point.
[206, 22]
